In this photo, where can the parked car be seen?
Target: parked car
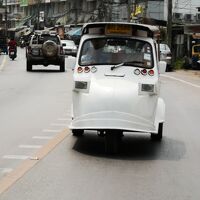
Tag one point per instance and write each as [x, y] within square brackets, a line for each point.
[45, 49]
[166, 55]
[69, 47]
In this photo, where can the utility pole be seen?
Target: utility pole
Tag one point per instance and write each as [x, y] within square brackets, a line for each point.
[129, 6]
[110, 10]
[38, 15]
[6, 19]
[169, 24]
[76, 11]
[145, 9]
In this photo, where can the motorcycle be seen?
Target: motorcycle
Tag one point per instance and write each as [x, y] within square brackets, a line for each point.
[12, 53]
[22, 43]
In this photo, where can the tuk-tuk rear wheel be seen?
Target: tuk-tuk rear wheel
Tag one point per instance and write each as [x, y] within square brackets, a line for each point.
[159, 135]
[112, 141]
[28, 65]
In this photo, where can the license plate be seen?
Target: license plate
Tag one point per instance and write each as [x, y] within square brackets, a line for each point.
[12, 53]
[35, 52]
[67, 51]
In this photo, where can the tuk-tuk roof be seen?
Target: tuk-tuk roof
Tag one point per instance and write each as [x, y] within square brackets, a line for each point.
[142, 30]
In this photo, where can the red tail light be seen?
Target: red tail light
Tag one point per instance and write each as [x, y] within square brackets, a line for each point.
[86, 69]
[29, 49]
[151, 72]
[144, 72]
[80, 70]
[169, 55]
[61, 51]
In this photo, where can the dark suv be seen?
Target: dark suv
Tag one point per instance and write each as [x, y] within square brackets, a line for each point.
[45, 49]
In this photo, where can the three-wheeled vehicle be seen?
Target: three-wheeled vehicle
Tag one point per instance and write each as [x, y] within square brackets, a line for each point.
[116, 82]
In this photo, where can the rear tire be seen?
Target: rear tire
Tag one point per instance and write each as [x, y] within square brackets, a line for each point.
[158, 136]
[112, 141]
[77, 132]
[62, 66]
[28, 66]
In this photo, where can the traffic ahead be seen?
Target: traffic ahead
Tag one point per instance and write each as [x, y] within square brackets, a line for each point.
[36, 110]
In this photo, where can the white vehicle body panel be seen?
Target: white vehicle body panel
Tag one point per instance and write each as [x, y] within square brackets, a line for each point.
[113, 98]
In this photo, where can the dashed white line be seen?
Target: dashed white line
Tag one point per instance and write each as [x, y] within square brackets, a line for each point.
[16, 157]
[42, 137]
[30, 146]
[6, 170]
[180, 80]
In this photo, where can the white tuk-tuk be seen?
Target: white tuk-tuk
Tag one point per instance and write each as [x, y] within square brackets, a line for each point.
[116, 82]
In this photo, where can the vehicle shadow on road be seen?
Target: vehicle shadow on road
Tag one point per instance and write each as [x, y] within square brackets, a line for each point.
[133, 147]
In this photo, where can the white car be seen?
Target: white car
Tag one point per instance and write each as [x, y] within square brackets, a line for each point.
[166, 55]
[69, 47]
[116, 82]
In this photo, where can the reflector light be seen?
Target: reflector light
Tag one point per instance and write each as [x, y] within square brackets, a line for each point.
[144, 72]
[86, 69]
[93, 69]
[80, 69]
[151, 72]
[136, 71]
[61, 51]
[29, 49]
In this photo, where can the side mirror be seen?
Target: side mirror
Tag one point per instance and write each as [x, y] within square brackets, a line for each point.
[74, 54]
[73, 63]
[162, 66]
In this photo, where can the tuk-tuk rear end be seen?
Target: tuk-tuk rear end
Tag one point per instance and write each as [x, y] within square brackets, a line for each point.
[116, 82]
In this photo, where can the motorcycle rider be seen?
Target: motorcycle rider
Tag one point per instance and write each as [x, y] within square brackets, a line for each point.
[12, 44]
[22, 42]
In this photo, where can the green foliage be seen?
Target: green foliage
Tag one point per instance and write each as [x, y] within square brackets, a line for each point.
[179, 63]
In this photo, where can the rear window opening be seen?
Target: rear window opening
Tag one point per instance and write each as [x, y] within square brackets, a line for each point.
[112, 51]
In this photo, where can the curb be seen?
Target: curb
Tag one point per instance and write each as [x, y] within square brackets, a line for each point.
[189, 72]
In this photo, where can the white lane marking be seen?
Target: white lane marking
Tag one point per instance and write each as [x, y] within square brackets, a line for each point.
[3, 63]
[30, 146]
[180, 80]
[6, 170]
[16, 157]
[56, 124]
[51, 130]
[64, 119]
[42, 137]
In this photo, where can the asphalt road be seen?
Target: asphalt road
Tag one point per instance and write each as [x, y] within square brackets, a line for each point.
[78, 168]
[34, 106]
